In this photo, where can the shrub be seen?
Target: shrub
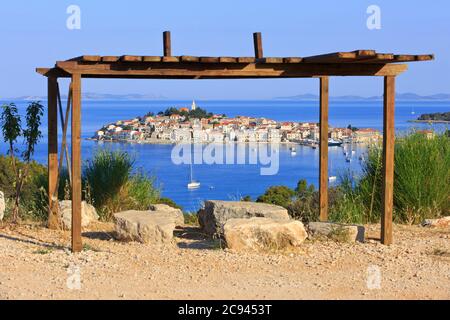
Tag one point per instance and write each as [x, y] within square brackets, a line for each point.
[113, 187]
[278, 195]
[421, 181]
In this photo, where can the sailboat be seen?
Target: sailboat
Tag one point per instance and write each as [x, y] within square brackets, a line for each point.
[193, 184]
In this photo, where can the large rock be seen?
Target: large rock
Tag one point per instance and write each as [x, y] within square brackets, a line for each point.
[164, 209]
[216, 213]
[88, 214]
[336, 231]
[2, 205]
[144, 226]
[263, 234]
[437, 223]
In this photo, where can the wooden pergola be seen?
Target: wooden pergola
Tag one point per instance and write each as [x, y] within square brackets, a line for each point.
[354, 63]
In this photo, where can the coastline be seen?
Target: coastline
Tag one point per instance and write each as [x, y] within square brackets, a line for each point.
[430, 121]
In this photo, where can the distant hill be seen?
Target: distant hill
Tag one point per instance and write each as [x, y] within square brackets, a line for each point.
[100, 96]
[399, 97]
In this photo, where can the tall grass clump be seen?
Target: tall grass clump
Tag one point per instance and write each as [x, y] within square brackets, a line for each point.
[421, 180]
[113, 186]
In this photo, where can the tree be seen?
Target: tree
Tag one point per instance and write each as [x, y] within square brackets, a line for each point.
[11, 129]
[278, 195]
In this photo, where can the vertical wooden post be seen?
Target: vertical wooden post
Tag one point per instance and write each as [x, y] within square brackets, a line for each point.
[53, 217]
[76, 163]
[388, 160]
[257, 41]
[323, 166]
[167, 44]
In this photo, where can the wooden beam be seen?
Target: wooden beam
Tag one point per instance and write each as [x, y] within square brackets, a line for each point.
[191, 68]
[323, 165]
[167, 46]
[76, 163]
[64, 125]
[52, 110]
[257, 42]
[388, 160]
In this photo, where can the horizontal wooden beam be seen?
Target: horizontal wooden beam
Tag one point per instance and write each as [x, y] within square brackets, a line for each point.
[190, 69]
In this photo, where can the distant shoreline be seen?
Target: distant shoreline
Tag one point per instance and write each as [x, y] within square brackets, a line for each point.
[430, 121]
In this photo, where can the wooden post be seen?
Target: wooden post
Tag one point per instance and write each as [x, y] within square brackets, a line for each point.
[388, 160]
[76, 163]
[167, 44]
[257, 41]
[323, 166]
[53, 217]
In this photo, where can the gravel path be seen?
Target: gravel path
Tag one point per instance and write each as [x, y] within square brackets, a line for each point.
[35, 263]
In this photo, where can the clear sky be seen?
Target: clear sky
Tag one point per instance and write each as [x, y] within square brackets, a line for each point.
[34, 33]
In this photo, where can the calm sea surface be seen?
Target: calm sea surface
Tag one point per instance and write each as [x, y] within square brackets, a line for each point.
[226, 181]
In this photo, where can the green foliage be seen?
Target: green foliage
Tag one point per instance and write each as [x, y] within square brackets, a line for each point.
[421, 182]
[113, 187]
[191, 219]
[278, 195]
[11, 128]
[198, 113]
[246, 199]
[11, 125]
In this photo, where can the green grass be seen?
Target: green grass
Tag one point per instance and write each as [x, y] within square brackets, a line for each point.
[421, 182]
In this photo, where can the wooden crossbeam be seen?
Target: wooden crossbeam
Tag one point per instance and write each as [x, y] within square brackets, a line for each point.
[190, 68]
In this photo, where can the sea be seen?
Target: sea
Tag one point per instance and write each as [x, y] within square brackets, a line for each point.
[231, 180]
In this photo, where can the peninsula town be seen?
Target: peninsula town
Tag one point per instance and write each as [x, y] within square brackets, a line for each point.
[196, 125]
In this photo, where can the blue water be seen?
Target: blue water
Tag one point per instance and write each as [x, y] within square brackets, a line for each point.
[229, 182]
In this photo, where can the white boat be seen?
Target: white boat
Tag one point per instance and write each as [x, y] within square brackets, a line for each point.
[332, 179]
[293, 153]
[348, 159]
[193, 184]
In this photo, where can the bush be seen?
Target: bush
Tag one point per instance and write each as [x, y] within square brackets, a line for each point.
[421, 181]
[278, 195]
[113, 187]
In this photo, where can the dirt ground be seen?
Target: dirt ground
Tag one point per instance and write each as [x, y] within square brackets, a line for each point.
[36, 263]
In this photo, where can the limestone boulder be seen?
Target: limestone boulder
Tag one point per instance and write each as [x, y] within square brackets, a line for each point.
[216, 213]
[263, 234]
[88, 214]
[2, 205]
[336, 231]
[437, 223]
[165, 210]
[144, 227]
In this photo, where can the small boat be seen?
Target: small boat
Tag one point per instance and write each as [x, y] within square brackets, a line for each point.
[293, 153]
[353, 152]
[348, 159]
[361, 157]
[334, 143]
[332, 179]
[314, 146]
[193, 184]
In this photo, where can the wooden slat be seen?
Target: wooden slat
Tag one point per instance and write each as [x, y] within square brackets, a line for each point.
[424, 57]
[246, 59]
[270, 60]
[76, 163]
[53, 216]
[330, 57]
[227, 60]
[257, 43]
[388, 160]
[379, 58]
[110, 58]
[292, 60]
[209, 59]
[170, 59]
[323, 165]
[151, 59]
[87, 58]
[131, 58]
[167, 46]
[189, 59]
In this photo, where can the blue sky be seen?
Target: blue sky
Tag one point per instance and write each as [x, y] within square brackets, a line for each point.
[34, 33]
